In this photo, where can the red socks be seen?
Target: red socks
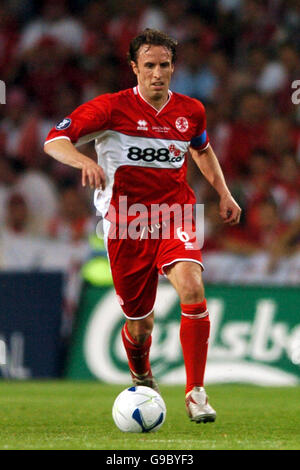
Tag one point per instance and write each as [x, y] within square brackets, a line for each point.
[194, 334]
[137, 354]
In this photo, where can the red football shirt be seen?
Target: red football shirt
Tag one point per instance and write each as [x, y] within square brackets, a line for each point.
[143, 151]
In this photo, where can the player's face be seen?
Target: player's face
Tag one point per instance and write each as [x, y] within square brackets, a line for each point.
[154, 69]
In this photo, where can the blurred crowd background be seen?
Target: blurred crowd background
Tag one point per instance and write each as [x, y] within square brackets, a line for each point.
[239, 57]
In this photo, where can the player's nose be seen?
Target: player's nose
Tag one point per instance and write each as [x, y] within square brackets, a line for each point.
[157, 72]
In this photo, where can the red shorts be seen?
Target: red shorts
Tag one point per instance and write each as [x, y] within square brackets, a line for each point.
[136, 265]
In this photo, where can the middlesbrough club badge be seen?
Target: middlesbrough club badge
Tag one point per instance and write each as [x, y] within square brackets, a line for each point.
[182, 124]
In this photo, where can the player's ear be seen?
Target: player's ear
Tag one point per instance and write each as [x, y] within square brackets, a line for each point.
[134, 67]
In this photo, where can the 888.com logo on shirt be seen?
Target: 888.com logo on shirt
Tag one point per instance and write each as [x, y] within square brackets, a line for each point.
[149, 154]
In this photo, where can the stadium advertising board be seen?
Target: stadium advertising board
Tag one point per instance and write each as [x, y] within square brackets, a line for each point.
[30, 320]
[255, 336]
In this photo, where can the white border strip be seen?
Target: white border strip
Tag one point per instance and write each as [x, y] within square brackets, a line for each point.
[157, 110]
[206, 146]
[57, 138]
[181, 259]
[200, 149]
[138, 318]
[126, 336]
[196, 316]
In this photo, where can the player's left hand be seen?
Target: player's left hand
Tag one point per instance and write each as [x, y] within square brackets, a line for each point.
[230, 211]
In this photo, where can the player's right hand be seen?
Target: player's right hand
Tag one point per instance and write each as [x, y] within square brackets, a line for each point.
[92, 174]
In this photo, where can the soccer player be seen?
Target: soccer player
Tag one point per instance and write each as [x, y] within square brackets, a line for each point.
[142, 138]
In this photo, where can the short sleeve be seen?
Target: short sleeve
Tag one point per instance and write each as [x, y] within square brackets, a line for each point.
[84, 123]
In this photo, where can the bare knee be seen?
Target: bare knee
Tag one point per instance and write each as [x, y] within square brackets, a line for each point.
[190, 287]
[140, 330]
[186, 277]
[191, 291]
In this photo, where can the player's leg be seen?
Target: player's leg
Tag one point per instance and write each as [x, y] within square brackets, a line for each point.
[186, 277]
[137, 339]
[135, 279]
[136, 336]
[140, 330]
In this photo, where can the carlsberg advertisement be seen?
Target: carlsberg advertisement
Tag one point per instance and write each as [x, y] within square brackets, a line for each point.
[255, 336]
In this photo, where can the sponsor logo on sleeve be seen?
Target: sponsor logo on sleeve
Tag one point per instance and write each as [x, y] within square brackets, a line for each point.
[64, 124]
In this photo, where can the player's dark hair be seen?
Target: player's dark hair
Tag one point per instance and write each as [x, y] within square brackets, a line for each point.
[152, 37]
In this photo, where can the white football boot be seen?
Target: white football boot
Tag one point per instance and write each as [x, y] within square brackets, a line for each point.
[197, 406]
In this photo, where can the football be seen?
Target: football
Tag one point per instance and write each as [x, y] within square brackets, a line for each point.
[139, 409]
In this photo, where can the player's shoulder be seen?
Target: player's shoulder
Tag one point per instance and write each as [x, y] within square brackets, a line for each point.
[112, 97]
[193, 104]
[122, 95]
[110, 101]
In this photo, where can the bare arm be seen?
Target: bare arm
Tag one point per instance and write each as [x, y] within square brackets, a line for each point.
[65, 152]
[209, 166]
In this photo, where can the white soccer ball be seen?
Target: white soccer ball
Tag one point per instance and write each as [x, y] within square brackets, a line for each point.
[139, 409]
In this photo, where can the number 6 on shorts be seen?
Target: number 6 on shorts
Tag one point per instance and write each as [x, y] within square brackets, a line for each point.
[183, 236]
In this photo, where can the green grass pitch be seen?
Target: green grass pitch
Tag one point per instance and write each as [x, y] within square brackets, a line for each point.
[77, 415]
